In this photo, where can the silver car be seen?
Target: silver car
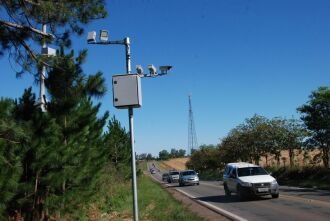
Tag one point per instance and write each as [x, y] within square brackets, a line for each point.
[188, 177]
[173, 177]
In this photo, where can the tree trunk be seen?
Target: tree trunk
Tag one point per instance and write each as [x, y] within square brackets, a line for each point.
[35, 190]
[325, 157]
[278, 160]
[291, 157]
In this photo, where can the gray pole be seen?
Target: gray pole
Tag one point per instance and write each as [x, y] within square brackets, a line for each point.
[42, 75]
[131, 130]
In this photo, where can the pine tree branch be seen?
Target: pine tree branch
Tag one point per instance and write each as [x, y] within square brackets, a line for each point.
[7, 162]
[31, 2]
[10, 141]
[29, 28]
[29, 50]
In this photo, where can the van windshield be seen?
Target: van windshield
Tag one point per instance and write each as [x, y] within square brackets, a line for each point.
[251, 171]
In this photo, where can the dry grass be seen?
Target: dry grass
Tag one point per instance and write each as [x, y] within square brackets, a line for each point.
[177, 164]
[301, 158]
[94, 214]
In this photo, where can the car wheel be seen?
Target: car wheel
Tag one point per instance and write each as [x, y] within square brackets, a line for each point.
[227, 192]
[180, 184]
[198, 184]
[275, 195]
[240, 193]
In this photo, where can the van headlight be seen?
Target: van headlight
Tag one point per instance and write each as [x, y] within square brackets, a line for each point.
[247, 184]
[274, 183]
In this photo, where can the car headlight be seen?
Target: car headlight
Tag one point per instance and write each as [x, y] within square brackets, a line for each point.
[247, 184]
[274, 183]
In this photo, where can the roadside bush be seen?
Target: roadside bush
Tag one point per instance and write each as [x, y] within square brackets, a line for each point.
[211, 175]
[309, 176]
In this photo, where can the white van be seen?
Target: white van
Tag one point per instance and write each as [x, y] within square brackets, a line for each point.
[247, 179]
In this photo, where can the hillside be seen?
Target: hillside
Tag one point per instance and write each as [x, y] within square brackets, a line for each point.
[177, 164]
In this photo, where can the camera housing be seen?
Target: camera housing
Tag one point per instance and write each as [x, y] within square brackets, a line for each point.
[152, 70]
[164, 69]
[139, 70]
[91, 37]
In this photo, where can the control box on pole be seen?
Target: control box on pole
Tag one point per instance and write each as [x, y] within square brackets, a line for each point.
[126, 91]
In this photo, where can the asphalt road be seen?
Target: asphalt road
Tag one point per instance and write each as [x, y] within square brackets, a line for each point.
[293, 203]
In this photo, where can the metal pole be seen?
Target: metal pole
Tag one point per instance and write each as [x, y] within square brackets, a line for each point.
[131, 130]
[42, 75]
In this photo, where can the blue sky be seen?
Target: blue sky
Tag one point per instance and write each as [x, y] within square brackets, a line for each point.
[236, 58]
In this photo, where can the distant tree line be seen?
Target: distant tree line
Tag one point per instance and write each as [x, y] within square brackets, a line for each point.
[261, 137]
[174, 153]
[145, 156]
[163, 155]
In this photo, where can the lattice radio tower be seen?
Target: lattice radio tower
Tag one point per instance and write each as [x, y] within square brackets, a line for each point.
[192, 137]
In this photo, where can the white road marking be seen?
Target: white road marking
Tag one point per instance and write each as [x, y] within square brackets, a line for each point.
[214, 208]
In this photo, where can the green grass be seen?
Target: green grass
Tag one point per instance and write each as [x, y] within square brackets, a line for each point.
[155, 203]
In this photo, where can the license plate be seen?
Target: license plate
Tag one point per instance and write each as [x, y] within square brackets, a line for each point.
[262, 189]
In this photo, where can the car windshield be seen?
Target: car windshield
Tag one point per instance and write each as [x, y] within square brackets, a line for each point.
[251, 171]
[174, 173]
[187, 173]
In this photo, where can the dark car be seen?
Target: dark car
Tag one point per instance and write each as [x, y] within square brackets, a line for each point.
[165, 176]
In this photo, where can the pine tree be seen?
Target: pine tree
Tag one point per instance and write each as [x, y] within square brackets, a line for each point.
[12, 136]
[82, 150]
[62, 160]
[43, 138]
[117, 142]
[21, 22]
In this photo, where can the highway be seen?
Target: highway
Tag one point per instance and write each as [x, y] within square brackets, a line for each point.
[293, 203]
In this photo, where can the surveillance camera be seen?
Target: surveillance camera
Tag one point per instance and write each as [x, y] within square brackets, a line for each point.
[104, 35]
[152, 70]
[91, 37]
[164, 69]
[139, 70]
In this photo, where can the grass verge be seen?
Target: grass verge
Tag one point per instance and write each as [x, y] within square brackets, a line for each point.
[155, 203]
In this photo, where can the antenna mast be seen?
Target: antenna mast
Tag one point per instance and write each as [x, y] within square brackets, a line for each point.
[192, 137]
